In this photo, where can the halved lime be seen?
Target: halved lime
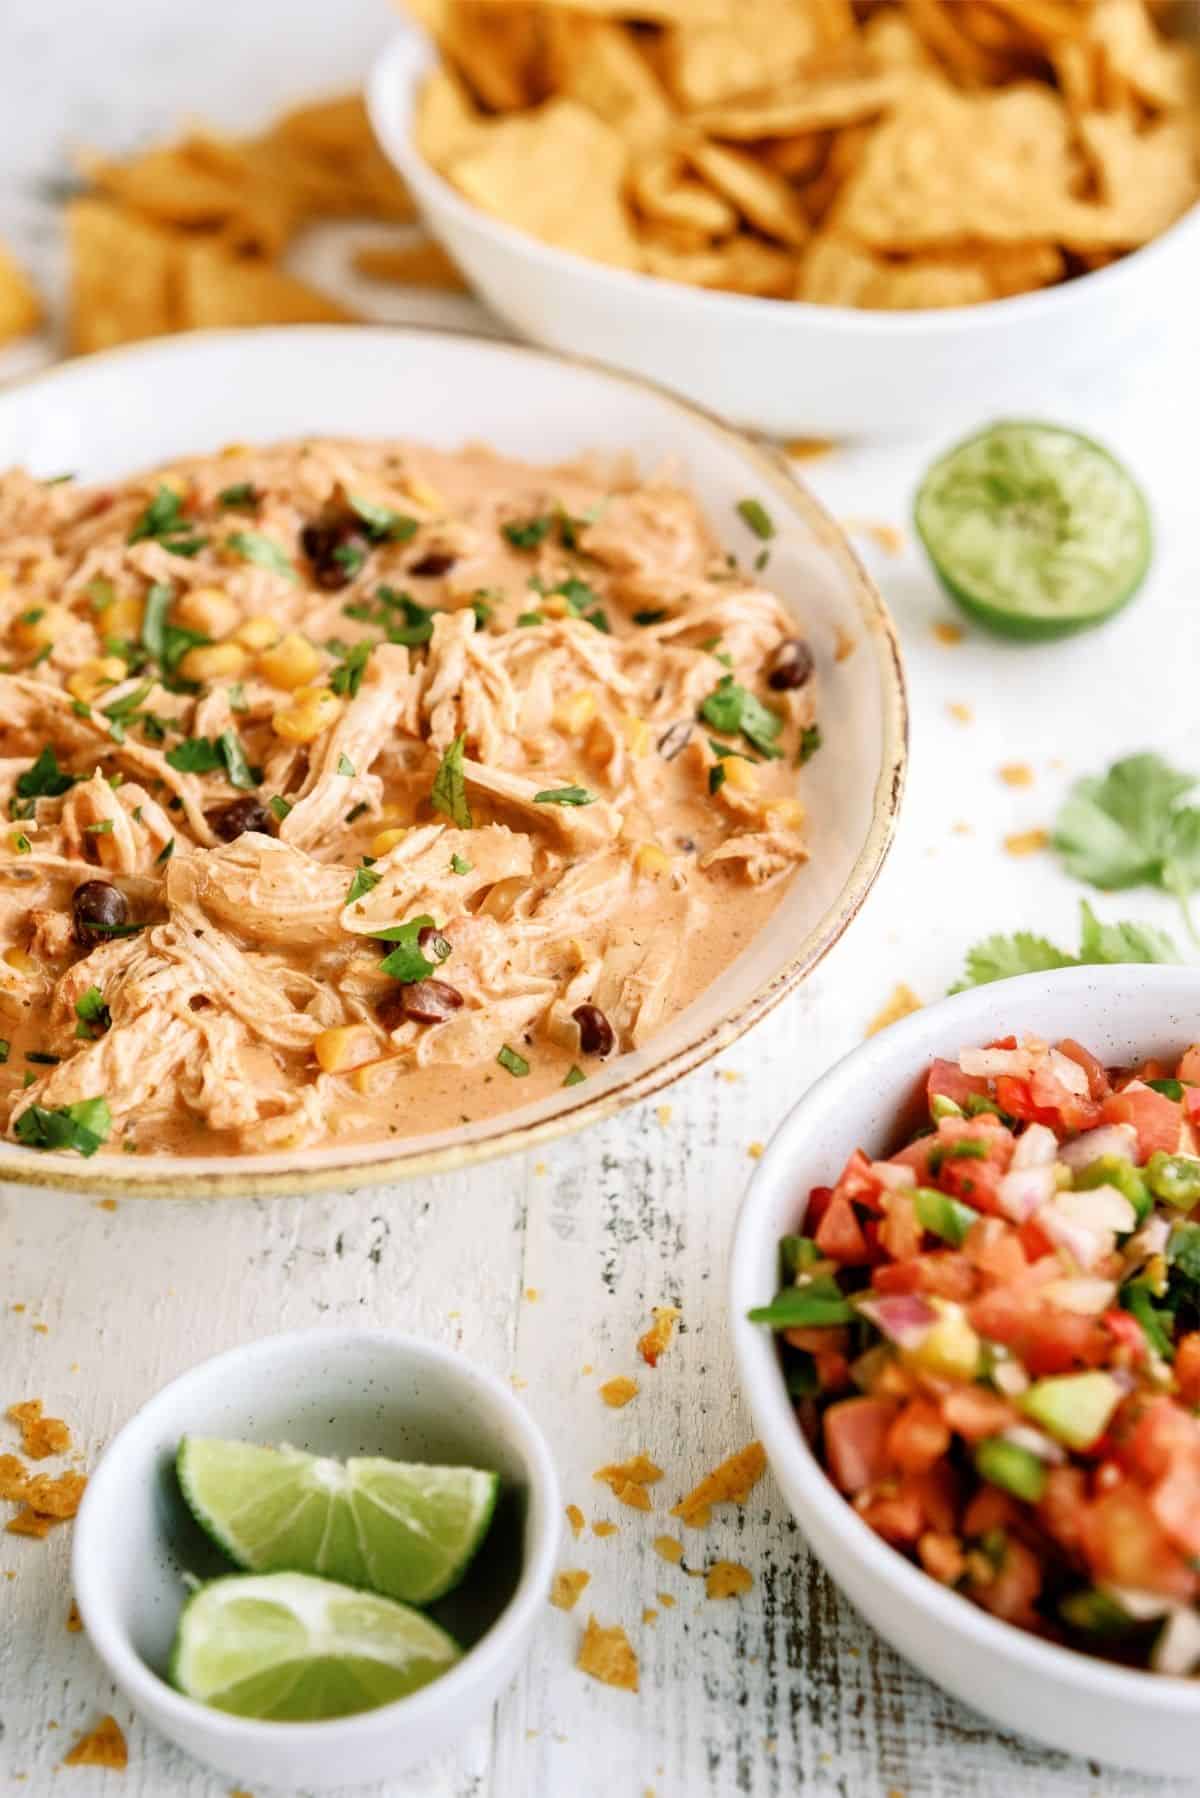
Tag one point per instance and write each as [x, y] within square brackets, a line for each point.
[291, 1649]
[394, 1527]
[1035, 531]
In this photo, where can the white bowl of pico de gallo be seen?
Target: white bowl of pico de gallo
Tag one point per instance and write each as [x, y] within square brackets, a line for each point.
[965, 1294]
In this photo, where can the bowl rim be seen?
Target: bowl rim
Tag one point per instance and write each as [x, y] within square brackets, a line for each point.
[159, 1177]
[413, 47]
[147, 1690]
[764, 1391]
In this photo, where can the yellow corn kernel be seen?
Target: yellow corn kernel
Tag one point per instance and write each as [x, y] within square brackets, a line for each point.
[21, 960]
[235, 449]
[213, 661]
[386, 839]
[424, 494]
[503, 896]
[41, 626]
[313, 710]
[636, 733]
[649, 859]
[208, 610]
[122, 618]
[92, 677]
[6, 580]
[787, 811]
[575, 713]
[366, 1078]
[290, 663]
[389, 815]
[740, 774]
[345, 1046]
[257, 633]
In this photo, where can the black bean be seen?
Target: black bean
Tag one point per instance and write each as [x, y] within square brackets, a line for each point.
[438, 561]
[595, 1032]
[96, 907]
[421, 1002]
[674, 741]
[337, 548]
[240, 815]
[791, 665]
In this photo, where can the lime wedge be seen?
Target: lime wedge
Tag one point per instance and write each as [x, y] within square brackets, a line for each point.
[399, 1528]
[1036, 531]
[291, 1649]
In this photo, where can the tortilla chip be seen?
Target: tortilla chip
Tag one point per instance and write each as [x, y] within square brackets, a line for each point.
[167, 185]
[337, 127]
[602, 66]
[575, 1519]
[619, 1391]
[217, 290]
[837, 272]
[799, 157]
[760, 43]
[496, 48]
[330, 144]
[447, 123]
[901, 1004]
[948, 168]
[29, 1522]
[662, 11]
[937, 23]
[1162, 75]
[661, 189]
[103, 1746]
[744, 264]
[809, 105]
[607, 1655]
[1042, 22]
[640, 1471]
[20, 307]
[420, 264]
[566, 1587]
[58, 1496]
[653, 1344]
[1148, 179]
[765, 199]
[14, 1478]
[41, 1436]
[729, 1483]
[121, 273]
[557, 173]
[727, 1579]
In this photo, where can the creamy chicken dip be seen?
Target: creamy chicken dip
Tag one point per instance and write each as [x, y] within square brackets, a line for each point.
[363, 790]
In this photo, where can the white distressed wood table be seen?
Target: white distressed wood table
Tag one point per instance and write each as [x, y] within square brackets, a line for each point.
[543, 1268]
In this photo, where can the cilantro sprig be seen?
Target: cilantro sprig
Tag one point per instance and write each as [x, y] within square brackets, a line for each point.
[82, 1126]
[1001, 957]
[165, 522]
[449, 792]
[730, 708]
[206, 755]
[408, 961]
[1133, 827]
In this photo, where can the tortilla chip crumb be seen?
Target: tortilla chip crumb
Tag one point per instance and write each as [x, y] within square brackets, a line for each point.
[567, 1586]
[587, 1368]
[960, 828]
[103, 1747]
[902, 1003]
[730, 1483]
[10, 1573]
[74, 1620]
[665, 1599]
[56, 1497]
[239, 1792]
[106, 1204]
[808, 449]
[657, 1338]
[887, 537]
[14, 1478]
[41, 1329]
[948, 633]
[621, 1475]
[607, 1655]
[649, 1614]
[668, 1549]
[962, 713]
[532, 1294]
[618, 1392]
[18, 1307]
[727, 1579]
[663, 1113]
[1016, 774]
[575, 1519]
[756, 1150]
[729, 1074]
[29, 1522]
[1027, 842]
[605, 1528]
[40, 1436]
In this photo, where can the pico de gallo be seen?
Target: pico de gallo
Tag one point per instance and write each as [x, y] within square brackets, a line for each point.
[992, 1338]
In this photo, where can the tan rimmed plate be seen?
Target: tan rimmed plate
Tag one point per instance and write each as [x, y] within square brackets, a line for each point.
[108, 415]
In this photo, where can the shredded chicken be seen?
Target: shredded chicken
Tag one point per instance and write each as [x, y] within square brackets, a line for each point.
[335, 771]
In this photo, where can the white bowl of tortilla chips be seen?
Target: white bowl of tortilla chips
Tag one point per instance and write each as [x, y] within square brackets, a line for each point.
[818, 219]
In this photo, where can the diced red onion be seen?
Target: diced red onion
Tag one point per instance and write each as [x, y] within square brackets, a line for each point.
[985, 1064]
[905, 1318]
[1069, 1073]
[894, 1174]
[1150, 1240]
[1010, 1378]
[1085, 1296]
[1177, 1649]
[1108, 1139]
[1023, 1189]
[1038, 1147]
[1085, 1245]
[1101, 1208]
[1024, 1435]
[1143, 1607]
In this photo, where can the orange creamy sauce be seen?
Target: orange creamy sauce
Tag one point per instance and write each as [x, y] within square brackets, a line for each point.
[376, 631]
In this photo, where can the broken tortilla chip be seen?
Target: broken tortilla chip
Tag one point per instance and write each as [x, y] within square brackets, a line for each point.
[20, 307]
[607, 1655]
[902, 1003]
[121, 272]
[619, 1391]
[420, 264]
[41, 1436]
[729, 1483]
[764, 198]
[217, 289]
[727, 1579]
[566, 1587]
[103, 1746]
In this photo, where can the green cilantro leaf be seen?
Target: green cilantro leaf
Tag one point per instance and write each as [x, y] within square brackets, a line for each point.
[44, 780]
[1001, 957]
[345, 766]
[252, 546]
[1118, 830]
[408, 962]
[575, 1076]
[449, 792]
[527, 533]
[347, 676]
[82, 1126]
[810, 742]
[93, 1014]
[731, 708]
[278, 806]
[363, 882]
[564, 796]
[383, 525]
[512, 1063]
[163, 521]
[459, 865]
[753, 513]
[243, 496]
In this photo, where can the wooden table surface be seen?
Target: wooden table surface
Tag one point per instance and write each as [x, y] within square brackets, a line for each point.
[545, 1268]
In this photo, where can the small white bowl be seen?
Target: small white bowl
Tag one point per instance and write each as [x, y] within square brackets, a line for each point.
[334, 1392]
[1072, 1701]
[787, 366]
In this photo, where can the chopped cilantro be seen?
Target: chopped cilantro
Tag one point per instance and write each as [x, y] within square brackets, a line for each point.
[481, 605]
[527, 533]
[124, 708]
[526, 618]
[345, 766]
[351, 557]
[810, 742]
[21, 844]
[252, 546]
[408, 962]
[512, 1063]
[163, 520]
[364, 880]
[5, 1049]
[44, 780]
[93, 1014]
[204, 755]
[102, 829]
[753, 513]
[716, 778]
[165, 853]
[731, 708]
[237, 697]
[449, 792]
[100, 593]
[166, 643]
[575, 1077]
[278, 806]
[564, 796]
[82, 1126]
[383, 524]
[1001, 957]
[459, 865]
[347, 677]
[243, 496]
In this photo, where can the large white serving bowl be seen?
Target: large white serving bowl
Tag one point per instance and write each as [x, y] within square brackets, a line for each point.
[1069, 1700]
[330, 1392]
[110, 415]
[789, 367]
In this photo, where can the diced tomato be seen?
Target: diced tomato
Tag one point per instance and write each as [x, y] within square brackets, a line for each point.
[818, 1205]
[996, 1251]
[896, 1515]
[1002, 1042]
[1033, 1240]
[940, 1496]
[1155, 1118]
[900, 1233]
[975, 1413]
[1013, 1590]
[1127, 1332]
[839, 1234]
[1187, 1367]
[1061, 1503]
[990, 1509]
[833, 1370]
[1124, 1543]
[1099, 1084]
[858, 1183]
[1046, 1340]
[945, 1273]
[1191, 1103]
[941, 1555]
[856, 1432]
[898, 1276]
[947, 1080]
[1189, 1065]
[1043, 1099]
[817, 1339]
[974, 1182]
[918, 1438]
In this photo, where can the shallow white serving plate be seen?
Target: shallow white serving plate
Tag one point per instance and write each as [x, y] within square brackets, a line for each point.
[332, 1392]
[1070, 1700]
[112, 414]
[784, 366]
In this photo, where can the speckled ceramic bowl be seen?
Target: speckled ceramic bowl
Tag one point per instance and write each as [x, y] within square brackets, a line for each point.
[106, 416]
